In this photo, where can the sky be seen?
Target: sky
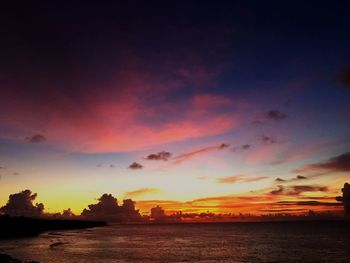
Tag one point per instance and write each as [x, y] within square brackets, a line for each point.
[220, 106]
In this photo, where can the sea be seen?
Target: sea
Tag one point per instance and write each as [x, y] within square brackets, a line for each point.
[200, 242]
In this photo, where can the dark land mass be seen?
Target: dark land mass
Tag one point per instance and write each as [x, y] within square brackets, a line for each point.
[8, 259]
[16, 227]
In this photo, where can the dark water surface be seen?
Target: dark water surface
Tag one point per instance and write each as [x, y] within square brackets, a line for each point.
[222, 242]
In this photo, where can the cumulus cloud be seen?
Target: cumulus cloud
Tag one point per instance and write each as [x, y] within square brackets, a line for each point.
[108, 209]
[342, 78]
[142, 191]
[135, 166]
[37, 138]
[186, 156]
[239, 179]
[162, 156]
[298, 189]
[21, 204]
[275, 115]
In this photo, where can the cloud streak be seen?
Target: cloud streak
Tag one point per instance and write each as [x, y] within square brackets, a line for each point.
[142, 192]
[189, 155]
[239, 179]
[294, 190]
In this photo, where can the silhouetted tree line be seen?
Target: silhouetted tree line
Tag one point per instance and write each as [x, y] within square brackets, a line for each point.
[107, 209]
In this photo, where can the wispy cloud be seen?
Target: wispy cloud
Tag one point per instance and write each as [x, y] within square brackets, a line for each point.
[163, 156]
[186, 156]
[298, 189]
[307, 203]
[240, 179]
[141, 192]
[298, 177]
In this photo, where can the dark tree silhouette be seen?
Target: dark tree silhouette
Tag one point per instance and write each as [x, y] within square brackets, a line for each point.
[108, 209]
[21, 204]
[345, 198]
[157, 212]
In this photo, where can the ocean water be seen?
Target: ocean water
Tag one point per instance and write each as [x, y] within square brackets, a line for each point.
[217, 242]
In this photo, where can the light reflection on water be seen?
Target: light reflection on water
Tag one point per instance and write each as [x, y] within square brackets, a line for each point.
[247, 242]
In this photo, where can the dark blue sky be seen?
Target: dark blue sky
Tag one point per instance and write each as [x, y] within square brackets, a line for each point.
[104, 84]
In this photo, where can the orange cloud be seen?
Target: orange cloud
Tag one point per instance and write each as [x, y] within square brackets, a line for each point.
[239, 179]
[219, 204]
[141, 192]
[228, 179]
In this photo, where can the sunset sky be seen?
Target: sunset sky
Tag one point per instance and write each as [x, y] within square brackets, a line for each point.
[192, 105]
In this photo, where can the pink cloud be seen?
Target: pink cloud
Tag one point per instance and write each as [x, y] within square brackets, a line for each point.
[189, 155]
[127, 114]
